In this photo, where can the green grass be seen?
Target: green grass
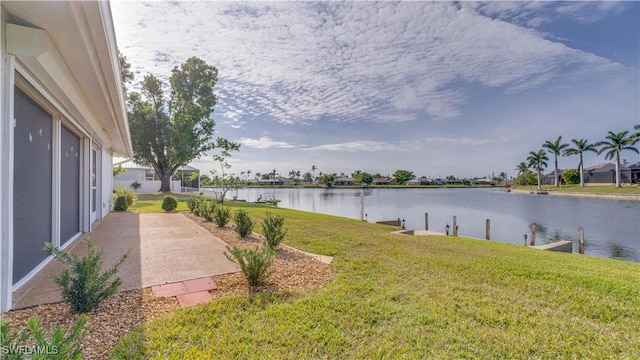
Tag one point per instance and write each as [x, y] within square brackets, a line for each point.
[597, 189]
[414, 297]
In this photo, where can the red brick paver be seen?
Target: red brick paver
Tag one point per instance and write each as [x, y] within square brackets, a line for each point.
[192, 299]
[189, 292]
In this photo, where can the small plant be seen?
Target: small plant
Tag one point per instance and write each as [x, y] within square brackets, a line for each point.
[244, 224]
[254, 263]
[131, 197]
[272, 230]
[84, 287]
[120, 204]
[169, 203]
[135, 185]
[208, 210]
[60, 345]
[192, 203]
[221, 215]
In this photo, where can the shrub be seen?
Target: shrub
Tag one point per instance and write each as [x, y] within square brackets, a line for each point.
[121, 204]
[169, 203]
[272, 230]
[208, 210]
[254, 263]
[571, 176]
[192, 203]
[244, 224]
[60, 345]
[83, 287]
[221, 215]
[131, 197]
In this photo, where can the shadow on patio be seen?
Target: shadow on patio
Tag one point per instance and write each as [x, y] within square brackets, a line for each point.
[165, 248]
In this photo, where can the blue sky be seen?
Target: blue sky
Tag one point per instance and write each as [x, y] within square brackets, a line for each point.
[438, 88]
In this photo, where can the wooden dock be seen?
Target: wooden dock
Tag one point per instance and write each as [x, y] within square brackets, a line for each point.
[560, 246]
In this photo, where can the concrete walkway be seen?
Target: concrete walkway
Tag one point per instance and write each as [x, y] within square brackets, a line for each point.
[165, 248]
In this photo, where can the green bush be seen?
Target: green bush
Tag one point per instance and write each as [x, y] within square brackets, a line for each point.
[526, 179]
[83, 287]
[272, 230]
[571, 176]
[254, 263]
[130, 195]
[244, 224]
[60, 345]
[221, 215]
[208, 209]
[169, 203]
[192, 203]
[121, 204]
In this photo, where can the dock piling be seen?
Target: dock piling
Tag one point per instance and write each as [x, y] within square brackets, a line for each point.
[488, 229]
[455, 226]
[581, 240]
[426, 221]
[532, 241]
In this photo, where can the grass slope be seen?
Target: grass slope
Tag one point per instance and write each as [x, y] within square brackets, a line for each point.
[414, 297]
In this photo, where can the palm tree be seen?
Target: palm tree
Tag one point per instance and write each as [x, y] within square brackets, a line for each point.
[522, 168]
[615, 144]
[580, 147]
[313, 172]
[555, 148]
[538, 161]
[635, 138]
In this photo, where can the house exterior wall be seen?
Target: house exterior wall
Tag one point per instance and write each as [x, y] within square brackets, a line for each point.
[83, 105]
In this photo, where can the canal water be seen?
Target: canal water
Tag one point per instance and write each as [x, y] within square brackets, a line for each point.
[611, 227]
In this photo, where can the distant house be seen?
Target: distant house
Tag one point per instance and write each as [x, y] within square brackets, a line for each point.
[382, 181]
[148, 179]
[343, 181]
[635, 173]
[63, 120]
[606, 174]
[277, 181]
[420, 181]
[549, 179]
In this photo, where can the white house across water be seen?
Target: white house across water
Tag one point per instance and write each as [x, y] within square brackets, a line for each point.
[63, 118]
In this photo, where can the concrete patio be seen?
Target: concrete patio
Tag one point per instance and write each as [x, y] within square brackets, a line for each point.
[165, 248]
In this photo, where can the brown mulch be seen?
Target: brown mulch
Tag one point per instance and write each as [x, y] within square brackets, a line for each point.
[120, 314]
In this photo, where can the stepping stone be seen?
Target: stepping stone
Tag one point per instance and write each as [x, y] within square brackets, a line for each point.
[192, 299]
[169, 290]
[201, 284]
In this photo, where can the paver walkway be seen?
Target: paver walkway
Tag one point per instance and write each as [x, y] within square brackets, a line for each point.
[189, 293]
[165, 248]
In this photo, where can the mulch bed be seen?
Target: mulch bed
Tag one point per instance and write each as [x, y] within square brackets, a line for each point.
[116, 316]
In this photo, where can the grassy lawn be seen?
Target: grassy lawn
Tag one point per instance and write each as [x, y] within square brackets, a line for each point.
[413, 297]
[599, 189]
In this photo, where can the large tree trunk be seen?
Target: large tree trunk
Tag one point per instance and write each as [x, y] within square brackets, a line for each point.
[165, 182]
[556, 173]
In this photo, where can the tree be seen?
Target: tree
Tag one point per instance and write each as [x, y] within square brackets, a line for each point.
[221, 182]
[580, 146]
[555, 148]
[571, 176]
[169, 131]
[362, 177]
[538, 161]
[313, 171]
[522, 168]
[327, 179]
[307, 177]
[635, 137]
[503, 176]
[402, 176]
[613, 146]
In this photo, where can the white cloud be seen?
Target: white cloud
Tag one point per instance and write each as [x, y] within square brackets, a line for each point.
[264, 143]
[361, 146]
[458, 141]
[298, 62]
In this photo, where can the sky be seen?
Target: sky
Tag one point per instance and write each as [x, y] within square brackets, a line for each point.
[438, 88]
